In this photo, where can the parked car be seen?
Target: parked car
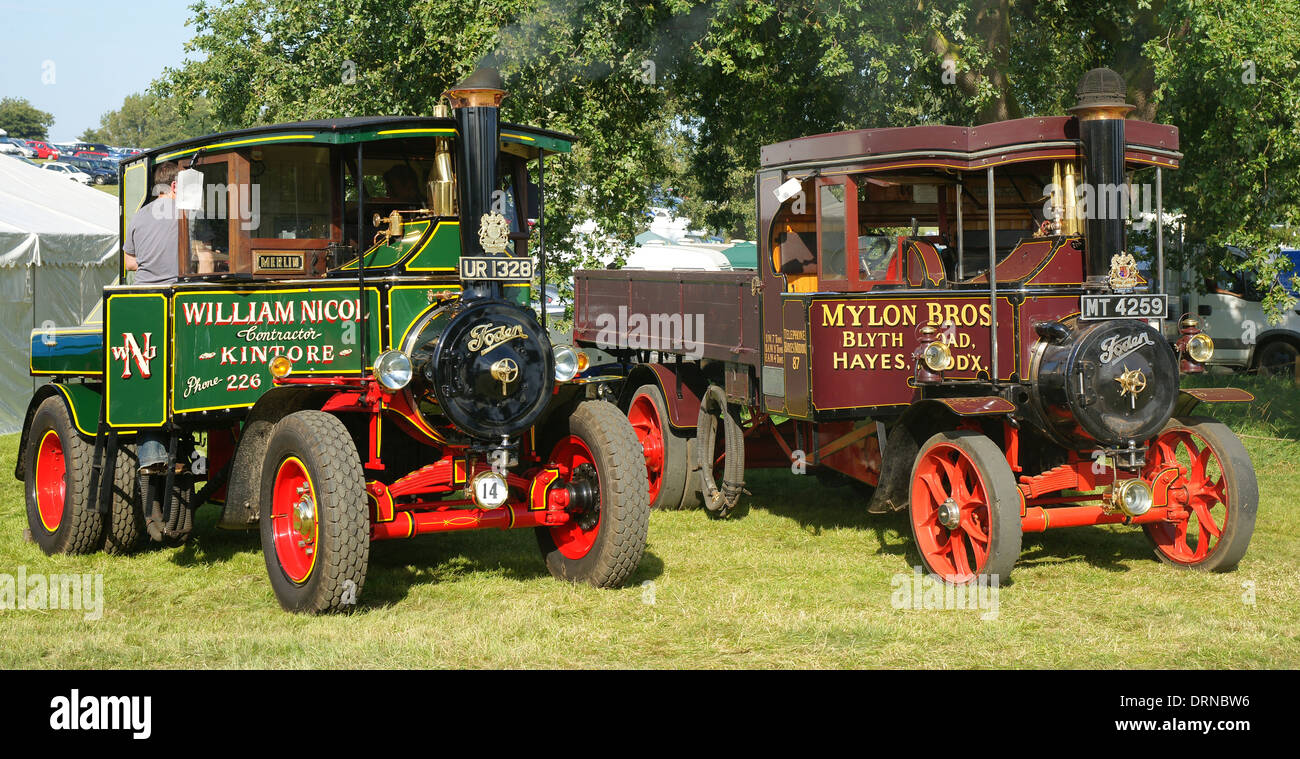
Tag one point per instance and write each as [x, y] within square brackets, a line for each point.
[71, 172]
[12, 146]
[21, 145]
[43, 149]
[1232, 313]
[554, 303]
[101, 172]
[90, 154]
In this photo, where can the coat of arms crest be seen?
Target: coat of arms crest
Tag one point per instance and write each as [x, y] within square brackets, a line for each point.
[493, 233]
[1123, 272]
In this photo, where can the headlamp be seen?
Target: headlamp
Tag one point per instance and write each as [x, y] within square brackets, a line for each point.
[393, 369]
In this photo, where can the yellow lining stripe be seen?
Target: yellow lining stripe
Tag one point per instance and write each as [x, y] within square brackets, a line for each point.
[236, 142]
[411, 256]
[57, 331]
[311, 491]
[312, 373]
[76, 422]
[167, 337]
[417, 131]
[39, 448]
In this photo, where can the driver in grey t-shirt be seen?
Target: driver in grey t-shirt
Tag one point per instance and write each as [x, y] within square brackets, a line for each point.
[153, 238]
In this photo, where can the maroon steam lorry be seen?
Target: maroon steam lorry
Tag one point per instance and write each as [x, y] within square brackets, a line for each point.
[348, 355]
[952, 317]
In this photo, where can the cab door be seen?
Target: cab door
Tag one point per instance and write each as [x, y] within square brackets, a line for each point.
[794, 343]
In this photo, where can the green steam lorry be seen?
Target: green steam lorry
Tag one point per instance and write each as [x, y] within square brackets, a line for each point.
[348, 355]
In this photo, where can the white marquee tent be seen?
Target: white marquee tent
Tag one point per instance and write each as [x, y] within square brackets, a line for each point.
[58, 248]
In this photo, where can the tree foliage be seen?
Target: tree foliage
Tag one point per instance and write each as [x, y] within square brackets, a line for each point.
[19, 118]
[676, 97]
[148, 121]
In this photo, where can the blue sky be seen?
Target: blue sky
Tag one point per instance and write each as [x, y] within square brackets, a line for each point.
[97, 52]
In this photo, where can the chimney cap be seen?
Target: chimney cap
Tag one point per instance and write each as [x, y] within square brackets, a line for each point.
[481, 88]
[1101, 88]
[482, 78]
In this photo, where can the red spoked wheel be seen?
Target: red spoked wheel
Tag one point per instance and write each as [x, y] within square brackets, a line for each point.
[56, 462]
[601, 465]
[645, 423]
[666, 455]
[51, 480]
[576, 463]
[293, 520]
[965, 508]
[1213, 501]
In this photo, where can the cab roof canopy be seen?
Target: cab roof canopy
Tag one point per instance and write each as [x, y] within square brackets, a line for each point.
[967, 148]
[522, 140]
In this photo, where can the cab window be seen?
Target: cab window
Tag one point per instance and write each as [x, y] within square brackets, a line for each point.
[292, 183]
[831, 225]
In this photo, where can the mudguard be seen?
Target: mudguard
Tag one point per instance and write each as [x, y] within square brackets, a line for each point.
[82, 401]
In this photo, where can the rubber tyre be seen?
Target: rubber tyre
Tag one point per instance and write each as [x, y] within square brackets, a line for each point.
[693, 493]
[994, 506]
[126, 527]
[328, 457]
[648, 413]
[60, 485]
[1241, 489]
[624, 520]
[1280, 355]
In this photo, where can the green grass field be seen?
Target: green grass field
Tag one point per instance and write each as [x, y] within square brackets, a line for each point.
[802, 579]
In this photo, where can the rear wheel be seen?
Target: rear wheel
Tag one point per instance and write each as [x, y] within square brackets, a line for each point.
[57, 478]
[126, 524]
[315, 520]
[1216, 488]
[665, 453]
[600, 458]
[965, 508]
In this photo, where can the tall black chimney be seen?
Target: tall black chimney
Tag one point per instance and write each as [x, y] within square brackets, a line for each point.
[477, 105]
[1101, 109]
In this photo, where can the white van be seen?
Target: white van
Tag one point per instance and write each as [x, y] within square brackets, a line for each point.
[1231, 312]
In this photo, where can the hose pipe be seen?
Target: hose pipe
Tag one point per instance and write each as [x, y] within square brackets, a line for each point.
[713, 406]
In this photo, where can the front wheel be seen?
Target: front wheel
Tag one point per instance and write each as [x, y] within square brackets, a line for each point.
[600, 457]
[1216, 489]
[965, 508]
[56, 474]
[315, 520]
[1277, 358]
